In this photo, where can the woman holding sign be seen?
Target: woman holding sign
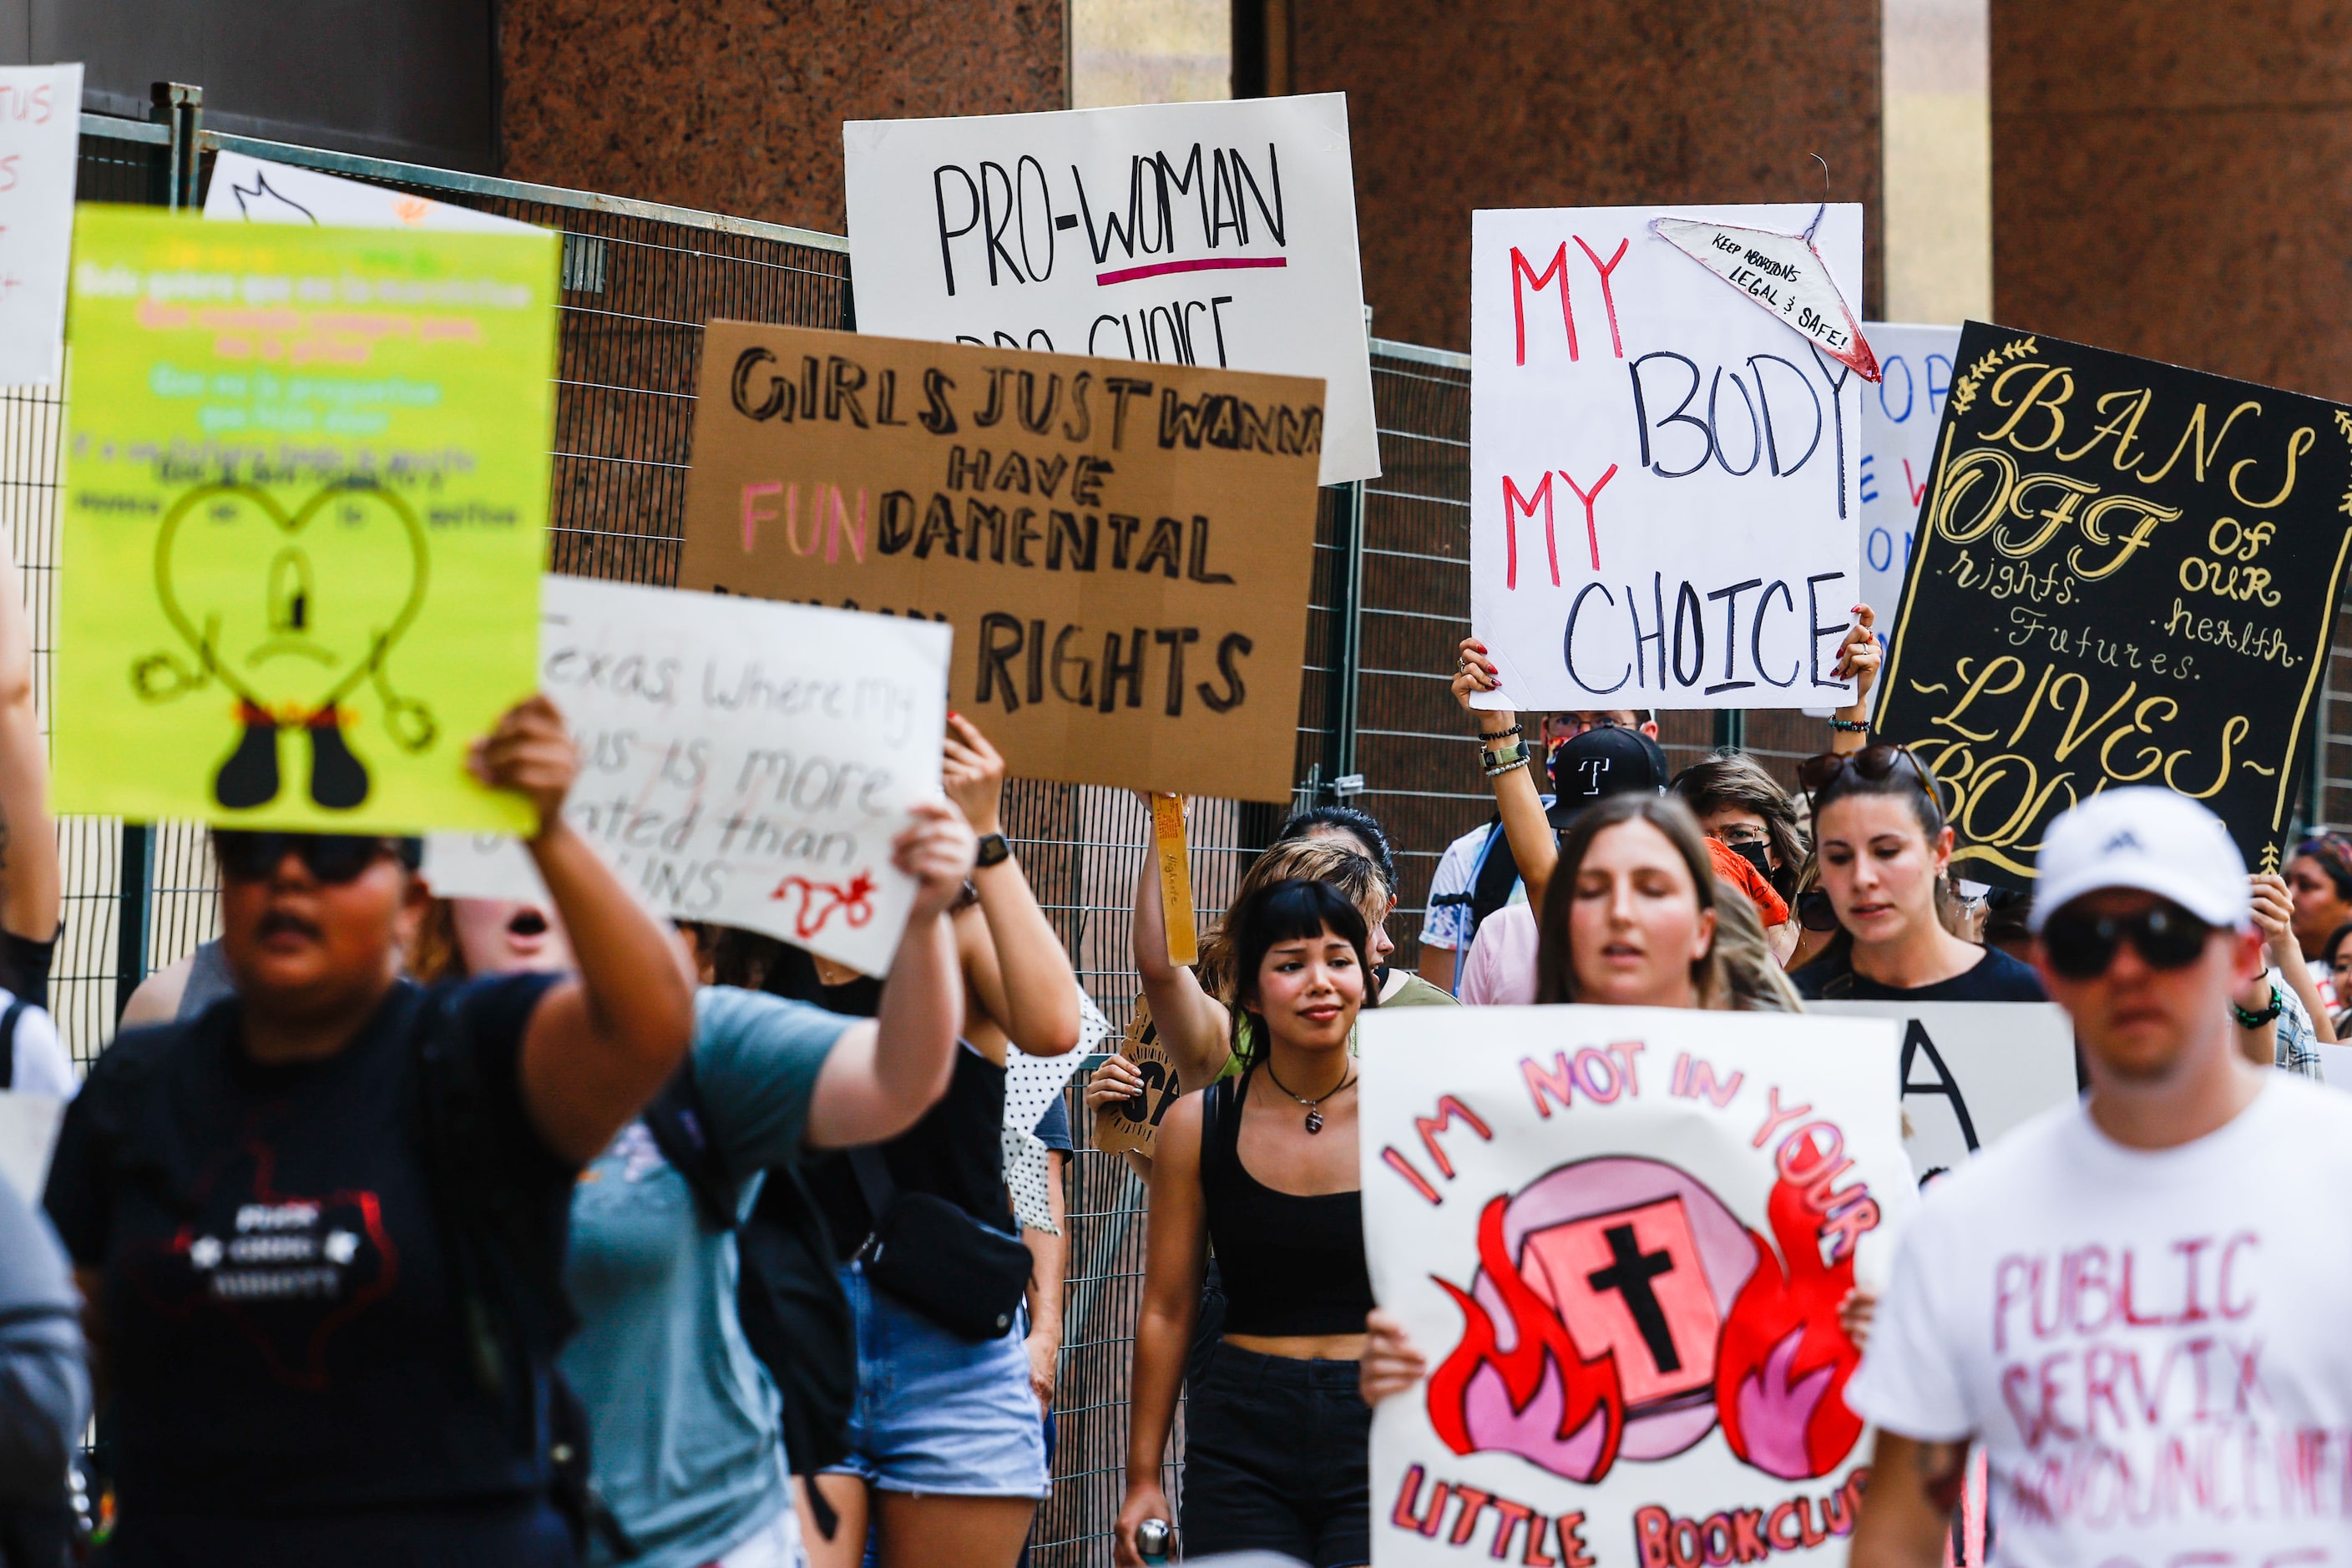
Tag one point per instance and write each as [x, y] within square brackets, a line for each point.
[1265, 1164]
[1632, 918]
[320, 1228]
[685, 1432]
[1508, 762]
[947, 1452]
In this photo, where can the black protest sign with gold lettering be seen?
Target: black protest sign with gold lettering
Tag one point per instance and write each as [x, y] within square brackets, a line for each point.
[2125, 573]
[1123, 549]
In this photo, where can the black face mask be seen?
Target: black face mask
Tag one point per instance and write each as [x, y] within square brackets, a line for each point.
[1754, 855]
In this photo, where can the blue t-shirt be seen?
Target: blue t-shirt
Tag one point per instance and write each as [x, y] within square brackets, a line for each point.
[1054, 1127]
[684, 1434]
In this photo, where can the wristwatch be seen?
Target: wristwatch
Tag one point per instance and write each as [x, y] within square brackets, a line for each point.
[994, 850]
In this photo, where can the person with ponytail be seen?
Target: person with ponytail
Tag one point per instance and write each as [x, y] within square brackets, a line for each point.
[1264, 1164]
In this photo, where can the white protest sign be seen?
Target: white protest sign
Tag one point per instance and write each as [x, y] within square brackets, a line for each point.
[1210, 233]
[741, 760]
[40, 133]
[1900, 416]
[29, 1132]
[246, 189]
[1620, 1236]
[1664, 508]
[1972, 1071]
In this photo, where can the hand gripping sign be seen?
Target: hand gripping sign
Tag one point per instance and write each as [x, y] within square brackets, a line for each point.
[1665, 507]
[1622, 1236]
[742, 762]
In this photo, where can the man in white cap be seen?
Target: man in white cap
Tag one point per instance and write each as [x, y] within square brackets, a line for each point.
[2136, 1306]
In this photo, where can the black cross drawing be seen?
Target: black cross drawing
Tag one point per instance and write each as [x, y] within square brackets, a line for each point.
[1629, 1276]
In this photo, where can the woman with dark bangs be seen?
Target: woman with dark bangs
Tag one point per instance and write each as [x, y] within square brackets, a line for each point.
[1264, 1164]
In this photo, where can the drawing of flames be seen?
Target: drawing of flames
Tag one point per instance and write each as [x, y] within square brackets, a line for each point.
[1621, 1311]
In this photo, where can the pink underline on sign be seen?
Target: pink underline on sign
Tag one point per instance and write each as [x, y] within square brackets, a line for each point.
[1206, 264]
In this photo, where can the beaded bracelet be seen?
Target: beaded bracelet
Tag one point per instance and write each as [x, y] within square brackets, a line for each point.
[1851, 726]
[1497, 763]
[1486, 739]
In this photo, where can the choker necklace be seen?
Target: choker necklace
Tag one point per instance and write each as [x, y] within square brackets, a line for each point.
[1314, 1107]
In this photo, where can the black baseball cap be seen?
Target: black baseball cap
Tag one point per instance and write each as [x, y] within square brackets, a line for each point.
[1605, 761]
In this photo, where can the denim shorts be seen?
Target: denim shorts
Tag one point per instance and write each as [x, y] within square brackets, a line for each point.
[936, 1413]
[1277, 1456]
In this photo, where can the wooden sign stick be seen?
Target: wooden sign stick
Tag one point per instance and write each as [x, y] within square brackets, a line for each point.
[1175, 877]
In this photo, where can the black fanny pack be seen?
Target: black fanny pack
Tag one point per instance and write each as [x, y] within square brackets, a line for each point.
[966, 1277]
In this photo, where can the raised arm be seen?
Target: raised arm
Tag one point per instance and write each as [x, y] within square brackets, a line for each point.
[31, 888]
[1020, 972]
[880, 1077]
[1173, 1260]
[1534, 847]
[2274, 913]
[1193, 1026]
[598, 1045]
[1858, 658]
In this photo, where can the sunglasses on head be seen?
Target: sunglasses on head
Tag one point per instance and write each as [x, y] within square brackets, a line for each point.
[1880, 759]
[332, 857]
[2082, 943]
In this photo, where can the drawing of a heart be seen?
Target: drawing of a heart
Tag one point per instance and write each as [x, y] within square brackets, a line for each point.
[291, 613]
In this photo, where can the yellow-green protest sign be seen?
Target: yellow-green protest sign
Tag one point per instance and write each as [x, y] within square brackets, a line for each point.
[305, 517]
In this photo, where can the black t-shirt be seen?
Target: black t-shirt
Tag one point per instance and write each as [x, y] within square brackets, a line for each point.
[1996, 977]
[280, 1317]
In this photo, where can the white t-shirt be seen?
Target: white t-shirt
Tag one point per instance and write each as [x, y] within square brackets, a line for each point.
[1448, 925]
[2152, 1347]
[42, 1066]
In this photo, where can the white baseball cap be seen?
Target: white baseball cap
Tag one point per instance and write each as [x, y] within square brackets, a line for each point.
[2150, 840]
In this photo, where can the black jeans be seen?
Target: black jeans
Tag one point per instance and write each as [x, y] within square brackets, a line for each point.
[1277, 1458]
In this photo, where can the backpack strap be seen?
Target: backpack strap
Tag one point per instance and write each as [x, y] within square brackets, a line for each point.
[16, 1006]
[1490, 890]
[681, 1129]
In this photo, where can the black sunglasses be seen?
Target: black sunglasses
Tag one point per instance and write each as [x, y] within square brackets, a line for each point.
[1880, 759]
[332, 857]
[2081, 945]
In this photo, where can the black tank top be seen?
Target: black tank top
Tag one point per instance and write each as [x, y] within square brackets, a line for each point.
[1290, 1264]
[956, 1151]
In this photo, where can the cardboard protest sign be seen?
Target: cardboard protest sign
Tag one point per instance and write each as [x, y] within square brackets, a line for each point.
[305, 517]
[1188, 233]
[1665, 498]
[1900, 416]
[246, 189]
[1123, 550]
[1971, 1071]
[40, 135]
[2125, 573]
[1621, 1235]
[743, 762]
[1134, 1124]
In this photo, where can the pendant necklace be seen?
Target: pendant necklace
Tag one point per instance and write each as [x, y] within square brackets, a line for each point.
[1315, 1105]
